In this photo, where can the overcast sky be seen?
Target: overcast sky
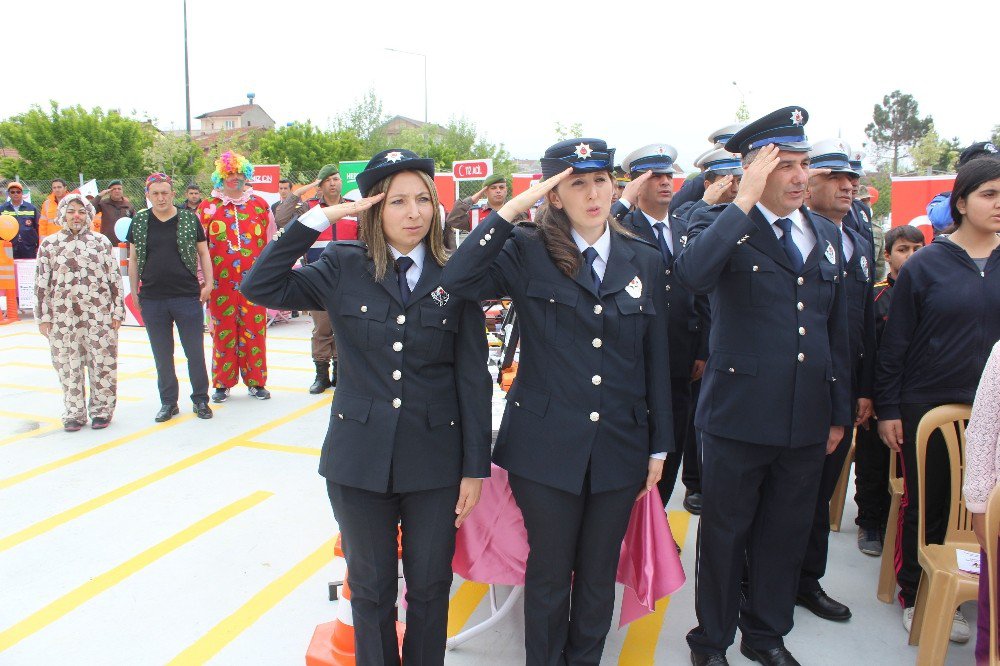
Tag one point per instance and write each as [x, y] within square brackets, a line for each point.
[629, 72]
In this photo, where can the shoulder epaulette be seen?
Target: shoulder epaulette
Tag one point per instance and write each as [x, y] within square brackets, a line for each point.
[883, 283]
[352, 243]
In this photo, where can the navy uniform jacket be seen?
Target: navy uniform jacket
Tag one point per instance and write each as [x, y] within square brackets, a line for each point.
[687, 314]
[778, 370]
[413, 389]
[859, 279]
[860, 219]
[591, 388]
[692, 190]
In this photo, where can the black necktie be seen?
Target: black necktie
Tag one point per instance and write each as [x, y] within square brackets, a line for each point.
[402, 265]
[661, 232]
[590, 254]
[791, 249]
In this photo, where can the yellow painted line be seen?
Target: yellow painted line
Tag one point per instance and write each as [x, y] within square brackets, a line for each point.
[83, 455]
[639, 647]
[283, 448]
[462, 605]
[30, 417]
[95, 586]
[219, 636]
[51, 523]
[12, 335]
[33, 366]
[44, 430]
[57, 391]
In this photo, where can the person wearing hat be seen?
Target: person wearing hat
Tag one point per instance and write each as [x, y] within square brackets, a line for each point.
[939, 208]
[25, 243]
[721, 171]
[830, 195]
[694, 188]
[775, 398]
[409, 437]
[495, 190]
[688, 314]
[621, 182]
[588, 418]
[329, 186]
[238, 224]
[112, 209]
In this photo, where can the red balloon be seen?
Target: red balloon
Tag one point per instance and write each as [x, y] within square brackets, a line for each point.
[872, 191]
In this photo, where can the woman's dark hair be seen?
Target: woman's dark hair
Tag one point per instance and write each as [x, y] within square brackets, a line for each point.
[970, 177]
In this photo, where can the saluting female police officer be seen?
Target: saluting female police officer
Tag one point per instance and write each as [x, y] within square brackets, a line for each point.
[409, 436]
[588, 419]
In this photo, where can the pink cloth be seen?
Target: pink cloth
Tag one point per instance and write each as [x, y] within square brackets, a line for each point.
[492, 547]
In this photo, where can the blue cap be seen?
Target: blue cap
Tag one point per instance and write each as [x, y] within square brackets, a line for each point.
[832, 154]
[721, 161]
[784, 128]
[584, 155]
[655, 157]
[386, 163]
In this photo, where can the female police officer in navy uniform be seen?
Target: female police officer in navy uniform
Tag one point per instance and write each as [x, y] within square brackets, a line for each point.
[588, 418]
[409, 436]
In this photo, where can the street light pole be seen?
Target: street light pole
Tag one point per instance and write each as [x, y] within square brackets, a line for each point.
[187, 80]
[424, 56]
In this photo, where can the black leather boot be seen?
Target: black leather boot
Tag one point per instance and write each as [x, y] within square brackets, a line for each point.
[322, 381]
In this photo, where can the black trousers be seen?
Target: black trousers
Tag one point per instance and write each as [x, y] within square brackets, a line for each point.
[937, 499]
[569, 591]
[818, 547]
[871, 472]
[159, 317]
[680, 395]
[757, 507]
[691, 473]
[368, 523]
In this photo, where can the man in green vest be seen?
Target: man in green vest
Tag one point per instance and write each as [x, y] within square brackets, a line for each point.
[166, 247]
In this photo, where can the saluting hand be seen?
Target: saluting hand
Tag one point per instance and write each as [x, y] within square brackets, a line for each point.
[631, 191]
[523, 202]
[468, 497]
[755, 177]
[352, 208]
[652, 477]
[715, 191]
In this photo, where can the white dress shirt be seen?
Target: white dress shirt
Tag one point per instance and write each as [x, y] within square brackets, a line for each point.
[666, 229]
[802, 234]
[603, 247]
[417, 254]
[847, 244]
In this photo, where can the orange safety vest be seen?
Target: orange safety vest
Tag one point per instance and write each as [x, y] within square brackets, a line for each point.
[7, 281]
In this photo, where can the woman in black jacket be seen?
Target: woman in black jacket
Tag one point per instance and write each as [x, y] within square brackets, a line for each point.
[942, 324]
[588, 418]
[409, 435]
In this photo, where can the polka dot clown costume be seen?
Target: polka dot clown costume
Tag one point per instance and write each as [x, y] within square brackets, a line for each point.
[237, 224]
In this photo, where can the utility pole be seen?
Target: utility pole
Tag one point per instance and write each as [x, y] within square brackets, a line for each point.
[187, 80]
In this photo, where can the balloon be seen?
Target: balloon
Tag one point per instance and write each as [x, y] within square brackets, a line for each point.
[121, 228]
[872, 191]
[8, 227]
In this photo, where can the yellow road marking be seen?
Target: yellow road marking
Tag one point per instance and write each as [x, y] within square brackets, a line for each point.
[30, 417]
[33, 366]
[12, 335]
[48, 524]
[639, 647]
[246, 615]
[84, 593]
[283, 448]
[44, 430]
[463, 604]
[83, 455]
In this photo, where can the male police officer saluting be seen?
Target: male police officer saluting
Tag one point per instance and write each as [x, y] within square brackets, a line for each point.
[776, 394]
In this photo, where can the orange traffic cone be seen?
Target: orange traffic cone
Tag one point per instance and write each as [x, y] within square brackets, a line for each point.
[332, 643]
[8, 283]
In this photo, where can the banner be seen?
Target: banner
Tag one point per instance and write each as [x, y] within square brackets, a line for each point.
[349, 173]
[910, 196]
[24, 273]
[265, 181]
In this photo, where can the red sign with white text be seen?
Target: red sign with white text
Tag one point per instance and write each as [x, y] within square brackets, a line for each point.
[472, 169]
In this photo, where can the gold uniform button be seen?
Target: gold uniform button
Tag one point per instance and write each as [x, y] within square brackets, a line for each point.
[595, 417]
[800, 281]
[397, 403]
[801, 357]
[596, 380]
[364, 308]
[802, 330]
[397, 375]
[597, 343]
[397, 346]
[800, 306]
[598, 309]
[401, 319]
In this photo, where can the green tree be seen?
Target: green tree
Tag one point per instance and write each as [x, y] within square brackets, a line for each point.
[928, 151]
[896, 125]
[564, 132]
[366, 121]
[742, 112]
[882, 181]
[62, 142]
[304, 147]
[458, 140]
[996, 135]
[174, 155]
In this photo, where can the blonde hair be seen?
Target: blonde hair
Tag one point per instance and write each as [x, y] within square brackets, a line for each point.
[370, 229]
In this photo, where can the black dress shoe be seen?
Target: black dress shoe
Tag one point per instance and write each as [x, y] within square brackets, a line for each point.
[714, 659]
[202, 410]
[692, 502]
[166, 412]
[823, 606]
[778, 656]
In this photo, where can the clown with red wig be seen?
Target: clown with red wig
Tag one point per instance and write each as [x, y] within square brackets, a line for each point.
[238, 224]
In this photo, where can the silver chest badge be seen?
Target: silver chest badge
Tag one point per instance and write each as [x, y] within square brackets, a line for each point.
[684, 241]
[634, 288]
[864, 266]
[830, 254]
[440, 296]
